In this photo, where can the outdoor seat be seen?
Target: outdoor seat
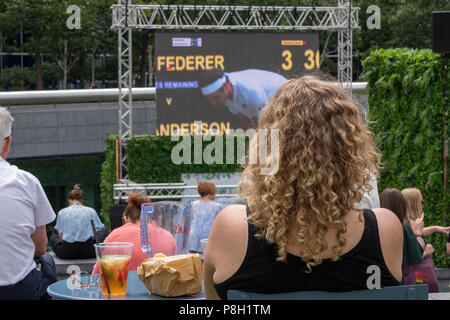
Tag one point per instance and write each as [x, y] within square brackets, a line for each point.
[410, 292]
[65, 266]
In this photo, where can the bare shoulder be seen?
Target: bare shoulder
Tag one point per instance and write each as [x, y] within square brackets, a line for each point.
[233, 212]
[389, 227]
[390, 231]
[226, 247]
[227, 242]
[230, 221]
[387, 220]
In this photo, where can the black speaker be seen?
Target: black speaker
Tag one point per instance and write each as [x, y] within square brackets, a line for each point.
[115, 215]
[441, 32]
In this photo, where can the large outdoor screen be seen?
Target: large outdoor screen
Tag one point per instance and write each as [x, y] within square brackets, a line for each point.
[209, 83]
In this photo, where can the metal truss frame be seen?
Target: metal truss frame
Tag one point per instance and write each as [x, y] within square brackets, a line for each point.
[166, 191]
[158, 17]
[125, 62]
[126, 17]
[345, 45]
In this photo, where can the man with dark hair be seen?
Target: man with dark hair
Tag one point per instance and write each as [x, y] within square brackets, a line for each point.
[26, 269]
[244, 93]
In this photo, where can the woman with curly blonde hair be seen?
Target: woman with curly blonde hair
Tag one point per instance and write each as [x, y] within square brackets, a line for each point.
[302, 229]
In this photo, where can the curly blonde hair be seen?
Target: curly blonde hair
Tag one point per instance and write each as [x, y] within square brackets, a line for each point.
[326, 157]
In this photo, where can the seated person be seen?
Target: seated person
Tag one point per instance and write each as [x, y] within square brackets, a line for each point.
[160, 239]
[371, 199]
[204, 211]
[425, 271]
[414, 211]
[302, 229]
[74, 238]
[394, 200]
[26, 269]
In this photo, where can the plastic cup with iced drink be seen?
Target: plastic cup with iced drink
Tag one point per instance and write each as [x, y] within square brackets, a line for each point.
[113, 259]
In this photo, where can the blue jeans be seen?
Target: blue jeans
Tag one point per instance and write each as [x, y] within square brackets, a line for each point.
[34, 285]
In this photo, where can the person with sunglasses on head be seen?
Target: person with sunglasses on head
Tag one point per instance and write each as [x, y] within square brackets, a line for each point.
[424, 272]
[26, 269]
[415, 214]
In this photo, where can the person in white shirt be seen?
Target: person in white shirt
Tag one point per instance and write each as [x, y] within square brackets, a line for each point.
[371, 200]
[26, 269]
[245, 93]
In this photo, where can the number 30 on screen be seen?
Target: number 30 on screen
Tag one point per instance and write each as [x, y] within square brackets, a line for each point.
[312, 60]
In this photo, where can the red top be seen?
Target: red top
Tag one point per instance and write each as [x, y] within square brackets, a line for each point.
[161, 240]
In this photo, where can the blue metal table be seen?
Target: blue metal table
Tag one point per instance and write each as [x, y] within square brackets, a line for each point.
[136, 290]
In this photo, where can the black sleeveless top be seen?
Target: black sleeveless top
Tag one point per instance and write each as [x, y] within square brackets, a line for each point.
[260, 272]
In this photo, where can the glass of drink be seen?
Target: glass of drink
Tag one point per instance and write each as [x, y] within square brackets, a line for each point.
[113, 259]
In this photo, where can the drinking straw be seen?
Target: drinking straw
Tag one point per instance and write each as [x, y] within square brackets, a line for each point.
[100, 256]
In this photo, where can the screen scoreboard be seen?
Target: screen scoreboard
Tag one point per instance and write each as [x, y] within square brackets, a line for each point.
[253, 63]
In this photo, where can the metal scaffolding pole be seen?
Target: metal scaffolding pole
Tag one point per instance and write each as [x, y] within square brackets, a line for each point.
[345, 45]
[125, 61]
[126, 17]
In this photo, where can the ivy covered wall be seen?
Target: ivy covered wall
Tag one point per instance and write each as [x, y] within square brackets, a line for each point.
[406, 106]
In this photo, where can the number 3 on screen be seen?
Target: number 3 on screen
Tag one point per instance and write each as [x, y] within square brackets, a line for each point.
[310, 64]
[287, 64]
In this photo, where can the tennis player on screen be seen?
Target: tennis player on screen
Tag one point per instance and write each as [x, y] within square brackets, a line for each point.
[244, 93]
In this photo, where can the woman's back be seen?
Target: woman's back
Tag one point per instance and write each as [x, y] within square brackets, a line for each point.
[74, 223]
[322, 159]
[253, 267]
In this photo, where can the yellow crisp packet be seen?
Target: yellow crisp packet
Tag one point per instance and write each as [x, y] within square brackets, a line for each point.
[172, 276]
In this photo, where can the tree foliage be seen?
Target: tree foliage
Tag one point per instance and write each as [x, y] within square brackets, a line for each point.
[47, 38]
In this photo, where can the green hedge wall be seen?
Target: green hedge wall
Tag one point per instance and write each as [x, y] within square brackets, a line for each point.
[149, 161]
[406, 107]
[108, 179]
